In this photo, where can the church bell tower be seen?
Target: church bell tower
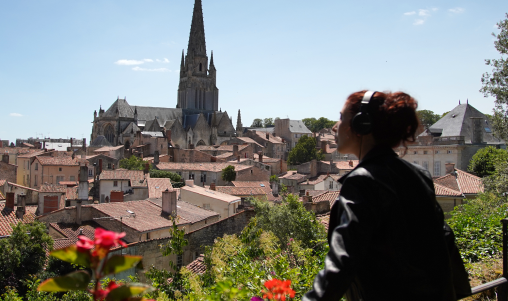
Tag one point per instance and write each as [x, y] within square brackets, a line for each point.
[197, 89]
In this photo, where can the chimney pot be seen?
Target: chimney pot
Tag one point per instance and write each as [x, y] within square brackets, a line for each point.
[450, 167]
[169, 202]
[189, 183]
[5, 158]
[9, 200]
[212, 186]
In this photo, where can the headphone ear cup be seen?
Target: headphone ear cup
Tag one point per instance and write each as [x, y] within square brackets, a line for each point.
[361, 124]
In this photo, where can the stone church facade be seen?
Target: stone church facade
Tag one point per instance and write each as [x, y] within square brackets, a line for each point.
[196, 120]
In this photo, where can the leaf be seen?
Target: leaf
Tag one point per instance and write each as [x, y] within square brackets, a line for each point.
[119, 263]
[127, 291]
[72, 255]
[74, 281]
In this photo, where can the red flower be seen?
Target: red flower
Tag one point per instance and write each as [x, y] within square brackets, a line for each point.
[278, 289]
[84, 244]
[101, 294]
[107, 239]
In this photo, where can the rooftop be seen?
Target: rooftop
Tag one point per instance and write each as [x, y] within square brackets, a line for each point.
[461, 181]
[157, 185]
[58, 161]
[8, 218]
[206, 166]
[210, 193]
[136, 177]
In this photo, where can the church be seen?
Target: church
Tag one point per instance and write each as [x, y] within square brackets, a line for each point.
[196, 120]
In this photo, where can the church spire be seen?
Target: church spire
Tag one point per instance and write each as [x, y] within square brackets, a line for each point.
[182, 67]
[197, 45]
[212, 66]
[239, 126]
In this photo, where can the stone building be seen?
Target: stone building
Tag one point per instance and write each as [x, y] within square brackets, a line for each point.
[196, 120]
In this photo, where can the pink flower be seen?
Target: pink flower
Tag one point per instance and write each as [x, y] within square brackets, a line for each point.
[84, 244]
[107, 239]
[101, 294]
[256, 298]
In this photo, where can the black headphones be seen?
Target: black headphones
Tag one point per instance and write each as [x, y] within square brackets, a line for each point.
[361, 122]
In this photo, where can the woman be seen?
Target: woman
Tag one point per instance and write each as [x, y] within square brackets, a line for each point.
[387, 236]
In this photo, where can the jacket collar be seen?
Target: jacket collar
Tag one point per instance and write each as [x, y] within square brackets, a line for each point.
[373, 154]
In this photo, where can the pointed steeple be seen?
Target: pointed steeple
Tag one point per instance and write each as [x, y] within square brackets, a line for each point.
[197, 44]
[182, 66]
[212, 66]
[239, 126]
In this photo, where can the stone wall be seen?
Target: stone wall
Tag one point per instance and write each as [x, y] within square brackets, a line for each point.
[198, 239]
[253, 174]
[8, 172]
[190, 156]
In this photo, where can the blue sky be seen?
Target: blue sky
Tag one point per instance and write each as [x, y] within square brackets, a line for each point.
[61, 60]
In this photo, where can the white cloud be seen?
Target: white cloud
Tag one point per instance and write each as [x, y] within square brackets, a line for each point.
[456, 10]
[434, 9]
[151, 70]
[423, 12]
[165, 61]
[409, 13]
[148, 60]
[129, 62]
[419, 22]
[15, 115]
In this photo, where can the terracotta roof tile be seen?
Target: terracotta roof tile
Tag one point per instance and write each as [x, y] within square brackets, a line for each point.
[345, 165]
[206, 166]
[71, 193]
[464, 182]
[210, 193]
[53, 188]
[241, 191]
[327, 196]
[2, 182]
[137, 177]
[271, 137]
[445, 191]
[59, 160]
[157, 185]
[8, 217]
[19, 186]
[189, 212]
[324, 219]
[228, 148]
[2, 197]
[197, 266]
[248, 140]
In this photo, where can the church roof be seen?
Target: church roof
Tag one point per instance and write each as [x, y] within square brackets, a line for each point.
[132, 128]
[297, 126]
[100, 141]
[162, 114]
[153, 125]
[458, 123]
[123, 107]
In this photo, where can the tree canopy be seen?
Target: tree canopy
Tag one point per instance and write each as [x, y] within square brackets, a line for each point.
[23, 254]
[228, 173]
[257, 123]
[165, 174]
[133, 163]
[484, 161]
[315, 125]
[304, 151]
[495, 84]
[428, 117]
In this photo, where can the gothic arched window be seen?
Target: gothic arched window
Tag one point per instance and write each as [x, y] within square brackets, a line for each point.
[109, 133]
[200, 67]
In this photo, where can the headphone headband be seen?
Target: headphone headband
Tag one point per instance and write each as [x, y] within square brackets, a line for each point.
[361, 122]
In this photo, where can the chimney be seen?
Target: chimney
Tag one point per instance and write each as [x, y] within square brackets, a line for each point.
[156, 157]
[275, 189]
[20, 210]
[44, 145]
[351, 163]
[449, 167]
[267, 136]
[476, 130]
[9, 200]
[313, 168]
[100, 167]
[212, 186]
[260, 156]
[306, 198]
[189, 183]
[78, 212]
[169, 202]
[147, 167]
[323, 145]
[83, 183]
[191, 146]
[238, 158]
[71, 143]
[213, 159]
[168, 135]
[5, 158]
[235, 150]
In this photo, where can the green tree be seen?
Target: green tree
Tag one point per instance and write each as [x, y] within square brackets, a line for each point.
[257, 123]
[23, 254]
[427, 117]
[444, 114]
[315, 125]
[155, 173]
[133, 163]
[484, 161]
[495, 84]
[267, 122]
[228, 173]
[304, 151]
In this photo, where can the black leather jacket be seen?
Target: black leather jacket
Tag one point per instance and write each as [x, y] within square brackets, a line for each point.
[388, 239]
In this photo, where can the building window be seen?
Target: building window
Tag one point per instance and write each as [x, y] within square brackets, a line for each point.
[425, 152]
[90, 173]
[115, 183]
[415, 153]
[206, 206]
[109, 165]
[436, 152]
[36, 166]
[35, 180]
[437, 168]
[59, 169]
[67, 203]
[449, 152]
[203, 178]
[109, 133]
[59, 179]
[331, 184]
[73, 178]
[148, 236]
[191, 176]
[425, 165]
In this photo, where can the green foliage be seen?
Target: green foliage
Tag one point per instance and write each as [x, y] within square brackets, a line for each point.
[23, 254]
[288, 221]
[497, 183]
[228, 173]
[484, 161]
[477, 226]
[165, 174]
[257, 123]
[444, 114]
[274, 178]
[304, 151]
[133, 163]
[428, 117]
[315, 125]
[268, 122]
[495, 84]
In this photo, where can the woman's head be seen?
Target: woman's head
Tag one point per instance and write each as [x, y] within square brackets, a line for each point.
[393, 118]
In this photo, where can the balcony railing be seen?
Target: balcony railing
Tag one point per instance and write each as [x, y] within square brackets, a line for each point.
[501, 283]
